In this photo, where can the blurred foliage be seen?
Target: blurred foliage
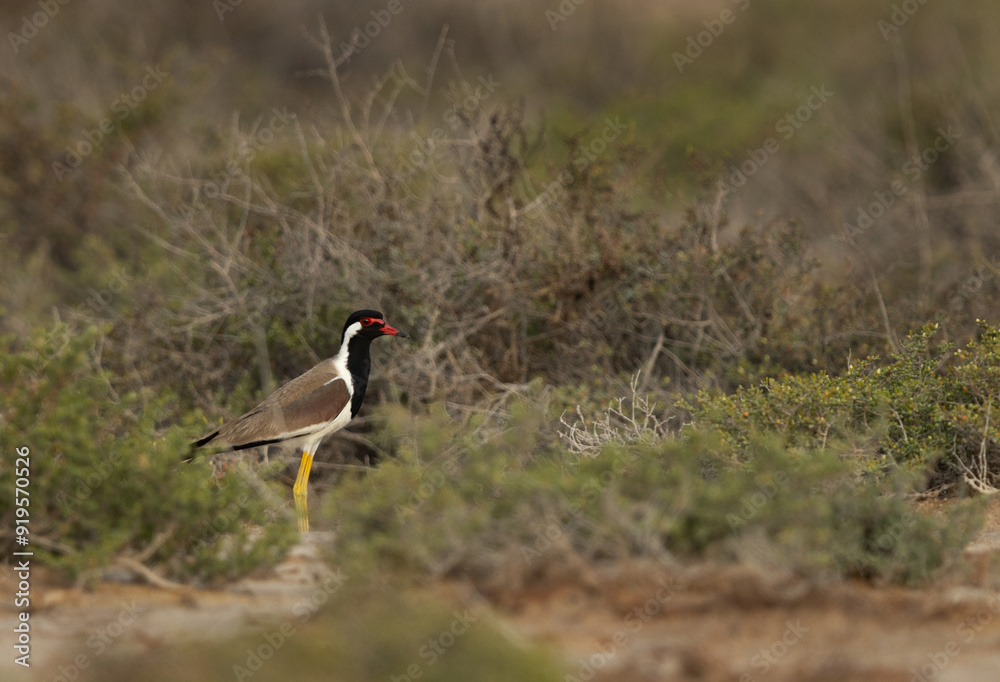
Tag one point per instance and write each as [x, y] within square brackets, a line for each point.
[687, 128]
[929, 407]
[106, 480]
[221, 232]
[364, 634]
[500, 508]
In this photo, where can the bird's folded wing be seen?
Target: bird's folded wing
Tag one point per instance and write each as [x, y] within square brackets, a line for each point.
[318, 408]
[271, 423]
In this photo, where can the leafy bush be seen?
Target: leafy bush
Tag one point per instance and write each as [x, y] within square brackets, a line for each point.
[505, 509]
[930, 405]
[106, 479]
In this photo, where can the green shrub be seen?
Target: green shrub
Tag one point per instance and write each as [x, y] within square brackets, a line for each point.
[106, 479]
[929, 405]
[506, 508]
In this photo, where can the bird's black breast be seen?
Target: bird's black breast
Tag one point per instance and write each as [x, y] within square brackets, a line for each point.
[358, 364]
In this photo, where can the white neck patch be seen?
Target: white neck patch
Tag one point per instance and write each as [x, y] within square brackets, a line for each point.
[350, 333]
[340, 361]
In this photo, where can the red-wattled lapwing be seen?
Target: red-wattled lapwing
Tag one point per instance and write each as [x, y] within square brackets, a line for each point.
[312, 406]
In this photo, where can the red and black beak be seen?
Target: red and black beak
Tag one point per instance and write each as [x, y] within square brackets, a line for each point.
[392, 331]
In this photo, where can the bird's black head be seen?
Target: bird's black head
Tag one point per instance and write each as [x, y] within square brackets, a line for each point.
[370, 324]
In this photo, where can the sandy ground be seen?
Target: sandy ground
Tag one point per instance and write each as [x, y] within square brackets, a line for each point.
[633, 623]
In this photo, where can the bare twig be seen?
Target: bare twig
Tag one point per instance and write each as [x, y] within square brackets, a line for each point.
[647, 370]
[148, 574]
[326, 46]
[432, 69]
[884, 311]
[977, 477]
[913, 154]
[618, 424]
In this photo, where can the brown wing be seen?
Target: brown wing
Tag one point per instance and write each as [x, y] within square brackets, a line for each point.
[300, 386]
[312, 399]
[319, 407]
[270, 423]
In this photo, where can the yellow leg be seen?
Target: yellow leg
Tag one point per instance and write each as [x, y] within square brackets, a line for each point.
[300, 491]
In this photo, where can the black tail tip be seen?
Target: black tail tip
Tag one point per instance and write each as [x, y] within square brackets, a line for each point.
[201, 442]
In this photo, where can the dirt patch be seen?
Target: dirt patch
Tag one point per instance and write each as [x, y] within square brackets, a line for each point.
[639, 621]
[73, 628]
[730, 624]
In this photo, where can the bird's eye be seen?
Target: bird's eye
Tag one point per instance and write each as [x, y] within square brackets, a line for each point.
[367, 321]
